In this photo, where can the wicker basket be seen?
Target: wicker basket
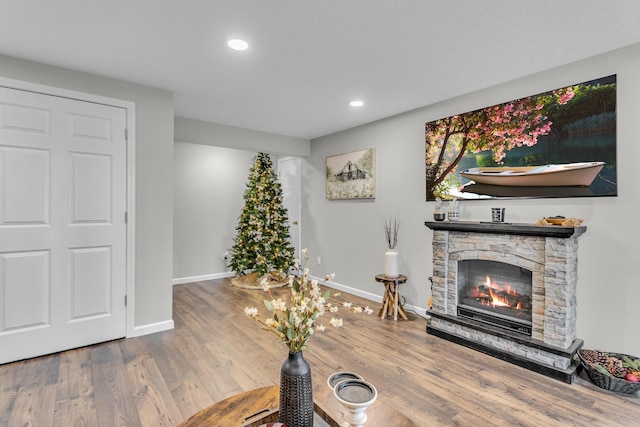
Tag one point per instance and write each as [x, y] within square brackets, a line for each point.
[609, 382]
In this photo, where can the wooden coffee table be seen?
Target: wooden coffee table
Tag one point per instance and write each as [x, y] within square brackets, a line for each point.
[259, 406]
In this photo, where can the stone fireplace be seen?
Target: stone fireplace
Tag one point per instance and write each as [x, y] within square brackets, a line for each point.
[508, 290]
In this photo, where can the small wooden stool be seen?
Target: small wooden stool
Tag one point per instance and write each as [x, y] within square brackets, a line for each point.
[391, 299]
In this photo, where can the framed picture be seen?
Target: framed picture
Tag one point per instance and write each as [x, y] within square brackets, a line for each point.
[352, 175]
[560, 143]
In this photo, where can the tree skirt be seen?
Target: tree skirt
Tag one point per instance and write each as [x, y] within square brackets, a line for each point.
[252, 281]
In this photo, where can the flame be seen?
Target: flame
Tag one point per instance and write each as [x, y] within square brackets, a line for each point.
[498, 300]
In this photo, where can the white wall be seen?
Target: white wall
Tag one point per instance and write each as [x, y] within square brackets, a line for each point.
[153, 180]
[209, 183]
[348, 235]
[214, 134]
[212, 164]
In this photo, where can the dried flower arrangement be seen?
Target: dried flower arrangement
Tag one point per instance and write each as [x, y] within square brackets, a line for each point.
[295, 324]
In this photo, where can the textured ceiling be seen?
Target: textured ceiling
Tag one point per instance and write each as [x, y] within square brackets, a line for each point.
[309, 58]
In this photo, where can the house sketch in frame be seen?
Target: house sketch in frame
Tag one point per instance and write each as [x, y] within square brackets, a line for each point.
[351, 175]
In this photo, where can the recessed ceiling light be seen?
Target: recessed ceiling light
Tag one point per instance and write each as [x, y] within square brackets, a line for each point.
[356, 103]
[238, 44]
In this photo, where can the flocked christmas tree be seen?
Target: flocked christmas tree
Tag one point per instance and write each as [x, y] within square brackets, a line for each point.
[262, 242]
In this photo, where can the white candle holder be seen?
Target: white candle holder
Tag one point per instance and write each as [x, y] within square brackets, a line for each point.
[355, 396]
[336, 377]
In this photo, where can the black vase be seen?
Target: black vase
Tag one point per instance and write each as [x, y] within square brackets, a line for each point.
[296, 397]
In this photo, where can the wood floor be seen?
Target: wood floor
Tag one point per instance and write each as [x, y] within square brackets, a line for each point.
[215, 351]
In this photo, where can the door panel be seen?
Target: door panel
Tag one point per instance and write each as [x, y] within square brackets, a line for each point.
[25, 183]
[91, 271]
[24, 277]
[24, 118]
[62, 229]
[94, 128]
[289, 175]
[90, 188]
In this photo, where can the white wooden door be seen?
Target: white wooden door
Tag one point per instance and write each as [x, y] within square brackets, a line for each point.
[289, 176]
[62, 223]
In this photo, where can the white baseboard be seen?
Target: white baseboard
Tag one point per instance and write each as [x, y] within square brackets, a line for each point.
[151, 328]
[368, 295]
[182, 280]
[334, 285]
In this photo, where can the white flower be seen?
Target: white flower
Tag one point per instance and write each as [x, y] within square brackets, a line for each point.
[278, 304]
[271, 323]
[253, 311]
[346, 304]
[303, 307]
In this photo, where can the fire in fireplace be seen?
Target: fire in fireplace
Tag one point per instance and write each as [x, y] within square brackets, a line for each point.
[495, 293]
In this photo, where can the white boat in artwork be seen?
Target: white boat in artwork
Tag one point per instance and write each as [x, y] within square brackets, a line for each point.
[579, 174]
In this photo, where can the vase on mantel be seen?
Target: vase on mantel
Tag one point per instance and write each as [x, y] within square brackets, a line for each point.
[391, 263]
[296, 397]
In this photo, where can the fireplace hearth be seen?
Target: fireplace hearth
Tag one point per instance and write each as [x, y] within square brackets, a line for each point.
[508, 290]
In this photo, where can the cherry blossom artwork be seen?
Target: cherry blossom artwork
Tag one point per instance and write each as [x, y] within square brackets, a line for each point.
[561, 143]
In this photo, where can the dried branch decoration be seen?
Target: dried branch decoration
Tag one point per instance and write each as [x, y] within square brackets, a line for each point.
[391, 228]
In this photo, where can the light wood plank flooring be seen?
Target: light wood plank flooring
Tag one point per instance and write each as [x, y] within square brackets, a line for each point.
[215, 351]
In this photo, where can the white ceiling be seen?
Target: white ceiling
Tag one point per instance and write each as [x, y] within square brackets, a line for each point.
[309, 58]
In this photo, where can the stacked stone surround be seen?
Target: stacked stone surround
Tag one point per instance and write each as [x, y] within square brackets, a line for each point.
[550, 255]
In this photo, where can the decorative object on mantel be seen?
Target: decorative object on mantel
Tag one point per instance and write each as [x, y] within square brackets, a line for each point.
[438, 210]
[391, 257]
[612, 371]
[559, 220]
[262, 249]
[497, 214]
[293, 326]
[454, 210]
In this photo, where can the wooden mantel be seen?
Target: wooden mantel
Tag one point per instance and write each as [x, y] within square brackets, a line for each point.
[521, 229]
